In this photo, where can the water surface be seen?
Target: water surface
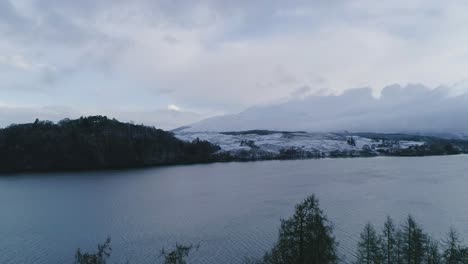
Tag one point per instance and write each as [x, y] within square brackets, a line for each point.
[231, 209]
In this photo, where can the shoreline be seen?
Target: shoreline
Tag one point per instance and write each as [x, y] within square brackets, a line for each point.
[129, 168]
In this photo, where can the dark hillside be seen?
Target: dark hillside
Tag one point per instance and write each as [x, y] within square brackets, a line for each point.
[94, 142]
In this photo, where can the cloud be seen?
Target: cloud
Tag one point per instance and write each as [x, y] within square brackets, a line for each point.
[222, 67]
[411, 108]
[222, 56]
[173, 107]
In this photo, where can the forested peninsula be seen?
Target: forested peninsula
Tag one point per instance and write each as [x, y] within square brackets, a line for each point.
[94, 142]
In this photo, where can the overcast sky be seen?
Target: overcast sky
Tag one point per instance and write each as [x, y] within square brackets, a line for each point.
[168, 63]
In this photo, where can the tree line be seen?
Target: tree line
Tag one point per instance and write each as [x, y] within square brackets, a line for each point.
[307, 238]
[408, 244]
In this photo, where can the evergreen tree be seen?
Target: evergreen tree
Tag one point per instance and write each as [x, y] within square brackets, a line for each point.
[178, 255]
[452, 248]
[399, 247]
[433, 255]
[368, 247]
[414, 242]
[464, 254]
[389, 242]
[306, 237]
[100, 257]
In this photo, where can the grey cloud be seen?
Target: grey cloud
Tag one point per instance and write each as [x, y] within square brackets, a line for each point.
[413, 108]
[42, 26]
[222, 55]
[72, 22]
[9, 17]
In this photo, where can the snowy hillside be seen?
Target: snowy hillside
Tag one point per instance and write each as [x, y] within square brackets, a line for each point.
[270, 144]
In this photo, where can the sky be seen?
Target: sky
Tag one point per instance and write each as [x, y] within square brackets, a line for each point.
[169, 62]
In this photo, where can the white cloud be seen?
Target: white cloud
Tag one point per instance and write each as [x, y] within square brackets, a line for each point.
[173, 107]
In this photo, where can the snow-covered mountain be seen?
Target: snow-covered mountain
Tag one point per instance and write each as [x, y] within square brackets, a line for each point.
[411, 109]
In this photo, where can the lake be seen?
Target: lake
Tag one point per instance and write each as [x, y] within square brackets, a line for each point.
[232, 210]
